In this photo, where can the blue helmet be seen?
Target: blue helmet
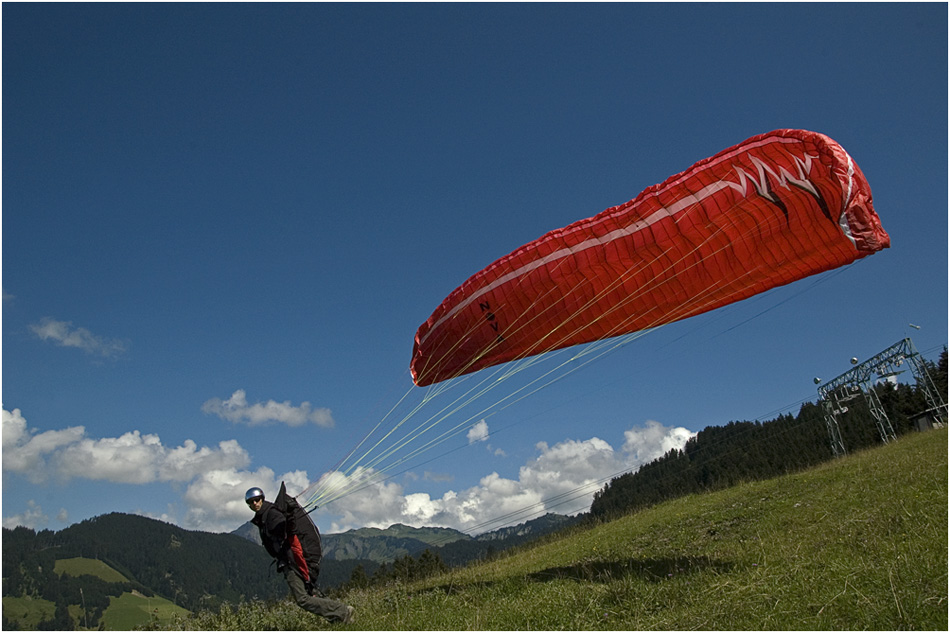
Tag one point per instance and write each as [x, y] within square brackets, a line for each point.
[253, 493]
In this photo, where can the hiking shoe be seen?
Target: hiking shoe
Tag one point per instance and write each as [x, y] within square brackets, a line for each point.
[350, 615]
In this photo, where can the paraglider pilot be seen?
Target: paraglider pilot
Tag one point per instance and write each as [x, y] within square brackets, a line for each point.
[272, 524]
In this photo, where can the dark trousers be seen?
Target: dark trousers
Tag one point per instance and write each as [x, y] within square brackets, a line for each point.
[332, 610]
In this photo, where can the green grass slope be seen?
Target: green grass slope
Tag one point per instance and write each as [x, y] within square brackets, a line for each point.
[125, 612]
[87, 566]
[131, 610]
[858, 543]
[26, 611]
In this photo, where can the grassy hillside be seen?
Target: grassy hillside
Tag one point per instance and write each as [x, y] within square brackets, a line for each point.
[132, 610]
[126, 610]
[86, 566]
[858, 543]
[26, 611]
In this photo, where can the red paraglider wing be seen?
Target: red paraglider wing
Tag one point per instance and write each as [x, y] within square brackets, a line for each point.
[769, 211]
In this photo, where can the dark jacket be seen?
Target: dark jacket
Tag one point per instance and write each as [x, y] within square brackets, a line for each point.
[273, 528]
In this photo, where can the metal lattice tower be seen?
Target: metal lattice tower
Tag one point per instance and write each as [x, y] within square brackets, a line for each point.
[860, 380]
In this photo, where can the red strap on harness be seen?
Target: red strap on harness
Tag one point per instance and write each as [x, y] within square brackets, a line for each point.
[301, 562]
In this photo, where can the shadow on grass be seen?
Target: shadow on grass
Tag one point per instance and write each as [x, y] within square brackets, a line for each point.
[648, 569]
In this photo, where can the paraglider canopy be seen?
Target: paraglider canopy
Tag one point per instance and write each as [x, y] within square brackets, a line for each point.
[769, 211]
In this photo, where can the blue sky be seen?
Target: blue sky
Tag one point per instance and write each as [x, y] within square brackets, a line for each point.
[222, 225]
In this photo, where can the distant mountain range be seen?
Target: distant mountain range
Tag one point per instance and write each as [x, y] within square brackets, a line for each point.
[372, 547]
[375, 544]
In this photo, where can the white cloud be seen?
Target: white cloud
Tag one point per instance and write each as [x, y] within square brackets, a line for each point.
[215, 498]
[25, 451]
[132, 458]
[561, 478]
[654, 440]
[32, 518]
[570, 467]
[375, 505]
[64, 334]
[236, 409]
[478, 432]
[186, 462]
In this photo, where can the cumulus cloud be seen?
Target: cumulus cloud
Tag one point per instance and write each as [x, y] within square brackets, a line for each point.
[215, 498]
[32, 518]
[654, 440]
[215, 477]
[26, 451]
[478, 432]
[237, 410]
[369, 501]
[132, 458]
[64, 334]
[560, 478]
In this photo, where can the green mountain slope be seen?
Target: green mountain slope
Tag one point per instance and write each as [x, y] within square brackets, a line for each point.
[88, 567]
[133, 610]
[88, 594]
[856, 543]
[192, 569]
